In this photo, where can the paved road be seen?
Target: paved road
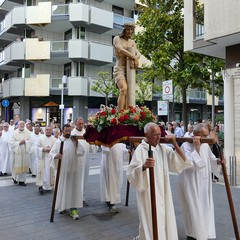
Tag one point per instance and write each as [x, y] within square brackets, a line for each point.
[24, 214]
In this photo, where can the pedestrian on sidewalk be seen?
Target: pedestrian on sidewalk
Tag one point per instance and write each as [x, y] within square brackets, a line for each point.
[70, 187]
[164, 159]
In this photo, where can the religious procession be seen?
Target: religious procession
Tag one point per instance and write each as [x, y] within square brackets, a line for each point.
[105, 100]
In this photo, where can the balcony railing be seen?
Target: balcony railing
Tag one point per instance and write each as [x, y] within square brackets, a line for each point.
[196, 95]
[59, 46]
[2, 26]
[199, 31]
[55, 82]
[60, 10]
[2, 56]
[120, 20]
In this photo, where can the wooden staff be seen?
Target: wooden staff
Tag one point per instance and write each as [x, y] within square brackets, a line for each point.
[56, 183]
[229, 195]
[128, 183]
[153, 198]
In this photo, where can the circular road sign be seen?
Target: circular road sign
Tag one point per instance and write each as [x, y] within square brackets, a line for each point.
[5, 103]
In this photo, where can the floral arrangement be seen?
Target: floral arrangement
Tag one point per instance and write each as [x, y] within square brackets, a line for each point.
[134, 115]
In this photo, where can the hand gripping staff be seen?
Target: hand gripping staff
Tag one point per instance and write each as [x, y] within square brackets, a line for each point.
[56, 183]
[153, 198]
[229, 195]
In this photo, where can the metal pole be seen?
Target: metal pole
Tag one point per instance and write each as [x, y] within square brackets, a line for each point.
[64, 81]
[213, 100]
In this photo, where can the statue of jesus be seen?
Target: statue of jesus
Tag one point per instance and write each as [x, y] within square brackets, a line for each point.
[125, 50]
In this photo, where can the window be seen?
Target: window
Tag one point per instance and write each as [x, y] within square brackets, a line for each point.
[67, 69]
[31, 2]
[80, 66]
[117, 10]
[68, 35]
[80, 32]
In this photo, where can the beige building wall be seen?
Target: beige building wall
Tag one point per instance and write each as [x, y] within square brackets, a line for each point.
[38, 86]
[40, 14]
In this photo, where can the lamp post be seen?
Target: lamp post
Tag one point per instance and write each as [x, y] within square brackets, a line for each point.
[61, 107]
[212, 78]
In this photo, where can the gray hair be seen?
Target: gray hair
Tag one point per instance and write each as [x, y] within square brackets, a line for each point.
[148, 127]
[79, 118]
[198, 127]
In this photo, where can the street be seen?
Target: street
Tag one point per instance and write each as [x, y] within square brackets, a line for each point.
[25, 214]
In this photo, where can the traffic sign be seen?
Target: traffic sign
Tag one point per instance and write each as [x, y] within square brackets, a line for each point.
[5, 103]
[167, 90]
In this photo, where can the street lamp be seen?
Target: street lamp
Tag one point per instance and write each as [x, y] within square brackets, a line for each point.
[61, 106]
[212, 80]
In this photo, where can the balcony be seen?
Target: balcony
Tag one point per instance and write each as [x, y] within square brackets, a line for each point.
[13, 87]
[77, 86]
[196, 96]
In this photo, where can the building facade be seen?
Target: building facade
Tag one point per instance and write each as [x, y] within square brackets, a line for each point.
[40, 41]
[219, 36]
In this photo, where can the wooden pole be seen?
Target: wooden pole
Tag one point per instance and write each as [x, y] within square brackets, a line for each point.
[229, 195]
[128, 183]
[153, 198]
[56, 184]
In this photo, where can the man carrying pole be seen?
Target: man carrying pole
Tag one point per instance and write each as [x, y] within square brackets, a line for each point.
[163, 160]
[70, 189]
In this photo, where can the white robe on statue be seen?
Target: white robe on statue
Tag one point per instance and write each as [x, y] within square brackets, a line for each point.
[45, 173]
[84, 159]
[5, 153]
[195, 188]
[70, 186]
[165, 160]
[21, 153]
[111, 176]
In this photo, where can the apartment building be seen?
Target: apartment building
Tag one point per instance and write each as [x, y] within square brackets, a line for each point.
[40, 41]
[219, 36]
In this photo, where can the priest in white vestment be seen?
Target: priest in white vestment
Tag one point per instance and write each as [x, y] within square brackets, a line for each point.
[45, 173]
[70, 188]
[164, 159]
[79, 130]
[35, 135]
[111, 175]
[5, 164]
[21, 144]
[195, 187]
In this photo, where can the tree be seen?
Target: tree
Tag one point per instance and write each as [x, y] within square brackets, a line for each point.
[161, 42]
[145, 88]
[105, 86]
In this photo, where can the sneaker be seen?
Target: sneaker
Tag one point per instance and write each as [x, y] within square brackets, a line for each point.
[74, 214]
[113, 209]
[61, 211]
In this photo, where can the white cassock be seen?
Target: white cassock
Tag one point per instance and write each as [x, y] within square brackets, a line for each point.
[21, 153]
[165, 160]
[111, 177]
[45, 173]
[33, 155]
[195, 188]
[84, 159]
[5, 153]
[70, 188]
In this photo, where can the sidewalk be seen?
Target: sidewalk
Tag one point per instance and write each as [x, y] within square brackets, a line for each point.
[25, 214]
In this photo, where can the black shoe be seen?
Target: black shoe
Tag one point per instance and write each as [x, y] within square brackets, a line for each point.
[41, 190]
[190, 238]
[1, 174]
[29, 171]
[14, 181]
[22, 184]
[108, 204]
[33, 175]
[5, 174]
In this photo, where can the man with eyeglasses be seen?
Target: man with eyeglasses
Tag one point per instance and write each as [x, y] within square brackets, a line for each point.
[195, 187]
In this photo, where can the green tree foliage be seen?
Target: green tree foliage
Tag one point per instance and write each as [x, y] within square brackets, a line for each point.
[161, 42]
[145, 88]
[105, 86]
